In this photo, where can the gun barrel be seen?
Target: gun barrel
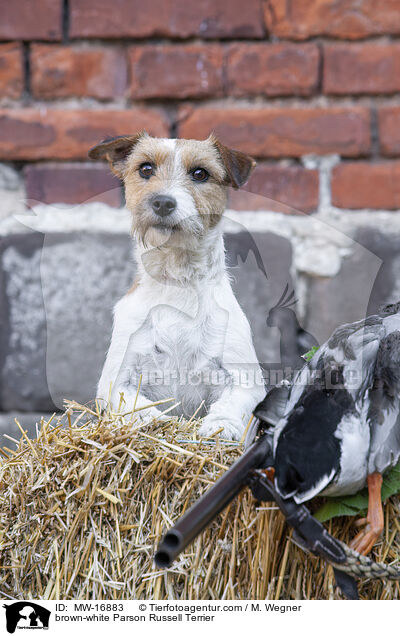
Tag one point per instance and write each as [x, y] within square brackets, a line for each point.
[212, 503]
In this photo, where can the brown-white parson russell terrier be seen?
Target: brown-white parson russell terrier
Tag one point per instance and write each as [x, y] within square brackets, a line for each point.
[180, 332]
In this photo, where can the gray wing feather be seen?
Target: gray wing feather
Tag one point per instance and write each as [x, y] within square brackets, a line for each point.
[383, 411]
[384, 449]
[348, 357]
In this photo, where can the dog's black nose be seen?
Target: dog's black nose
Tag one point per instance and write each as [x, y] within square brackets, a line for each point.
[163, 204]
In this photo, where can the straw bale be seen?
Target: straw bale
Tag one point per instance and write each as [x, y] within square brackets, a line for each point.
[83, 506]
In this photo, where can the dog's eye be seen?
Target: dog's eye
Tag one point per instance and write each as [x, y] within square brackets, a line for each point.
[146, 170]
[199, 174]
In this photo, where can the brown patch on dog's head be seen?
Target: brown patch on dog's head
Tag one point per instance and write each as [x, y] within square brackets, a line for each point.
[210, 196]
[116, 150]
[237, 164]
[226, 167]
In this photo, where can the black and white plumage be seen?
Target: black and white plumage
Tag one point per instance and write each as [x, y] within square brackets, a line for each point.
[339, 421]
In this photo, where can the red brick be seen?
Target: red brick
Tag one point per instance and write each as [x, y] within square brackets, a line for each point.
[292, 186]
[170, 18]
[67, 71]
[11, 71]
[176, 71]
[72, 183]
[276, 132]
[361, 68]
[33, 133]
[33, 20]
[389, 130]
[272, 69]
[365, 185]
[349, 19]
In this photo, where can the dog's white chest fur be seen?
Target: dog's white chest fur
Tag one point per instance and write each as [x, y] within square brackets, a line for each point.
[178, 349]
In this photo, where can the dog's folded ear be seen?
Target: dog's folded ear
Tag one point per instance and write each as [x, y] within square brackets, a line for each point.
[116, 150]
[238, 165]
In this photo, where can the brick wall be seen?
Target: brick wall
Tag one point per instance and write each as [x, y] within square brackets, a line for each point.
[275, 78]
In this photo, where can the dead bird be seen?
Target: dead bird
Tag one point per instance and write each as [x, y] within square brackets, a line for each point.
[336, 428]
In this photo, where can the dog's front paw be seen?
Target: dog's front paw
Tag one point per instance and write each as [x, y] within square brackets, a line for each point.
[232, 428]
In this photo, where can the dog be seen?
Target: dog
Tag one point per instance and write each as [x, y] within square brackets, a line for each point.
[179, 332]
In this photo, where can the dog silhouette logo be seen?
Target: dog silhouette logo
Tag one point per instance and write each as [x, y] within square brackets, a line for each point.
[26, 615]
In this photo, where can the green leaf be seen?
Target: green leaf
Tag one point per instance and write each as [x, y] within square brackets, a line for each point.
[356, 504]
[391, 483]
[342, 507]
[307, 356]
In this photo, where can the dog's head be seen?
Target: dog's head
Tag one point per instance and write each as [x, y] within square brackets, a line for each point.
[174, 185]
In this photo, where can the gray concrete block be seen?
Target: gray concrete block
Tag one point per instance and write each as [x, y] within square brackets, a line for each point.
[93, 272]
[352, 294]
[386, 247]
[57, 314]
[23, 333]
